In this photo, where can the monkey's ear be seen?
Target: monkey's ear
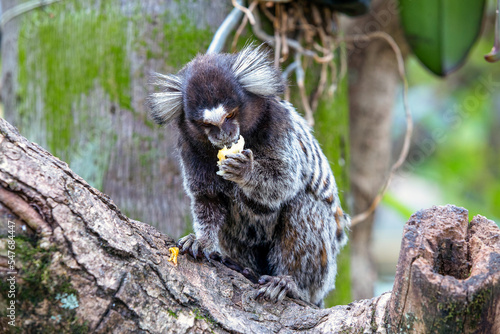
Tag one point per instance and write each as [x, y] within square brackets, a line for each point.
[256, 73]
[165, 105]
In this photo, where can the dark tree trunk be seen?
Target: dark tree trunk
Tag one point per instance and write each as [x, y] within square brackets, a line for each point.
[74, 76]
[80, 265]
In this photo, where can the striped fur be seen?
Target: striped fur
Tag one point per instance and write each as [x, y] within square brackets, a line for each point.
[274, 207]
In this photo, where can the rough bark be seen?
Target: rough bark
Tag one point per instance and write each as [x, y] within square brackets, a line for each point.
[373, 82]
[74, 80]
[82, 266]
[449, 269]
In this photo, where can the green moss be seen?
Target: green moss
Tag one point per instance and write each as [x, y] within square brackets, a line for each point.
[455, 316]
[199, 316]
[65, 53]
[185, 41]
[332, 131]
[179, 40]
[34, 272]
[407, 323]
[476, 308]
[35, 283]
[172, 313]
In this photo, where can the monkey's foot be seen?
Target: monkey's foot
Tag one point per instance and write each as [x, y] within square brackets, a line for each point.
[196, 247]
[275, 288]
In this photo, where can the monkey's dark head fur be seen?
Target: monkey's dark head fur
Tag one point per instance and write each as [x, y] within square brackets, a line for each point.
[217, 97]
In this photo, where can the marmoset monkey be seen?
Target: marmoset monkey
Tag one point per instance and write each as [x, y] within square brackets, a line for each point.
[274, 207]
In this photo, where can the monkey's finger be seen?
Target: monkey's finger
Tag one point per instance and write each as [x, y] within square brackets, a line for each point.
[237, 157]
[282, 295]
[232, 170]
[292, 290]
[268, 288]
[232, 163]
[232, 175]
[207, 253]
[273, 292]
[229, 176]
[274, 288]
[195, 248]
[248, 153]
[261, 292]
[265, 279]
[185, 243]
[227, 167]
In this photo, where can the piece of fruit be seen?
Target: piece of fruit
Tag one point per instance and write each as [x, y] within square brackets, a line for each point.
[236, 148]
[174, 252]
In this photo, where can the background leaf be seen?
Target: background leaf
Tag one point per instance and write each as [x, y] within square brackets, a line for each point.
[441, 32]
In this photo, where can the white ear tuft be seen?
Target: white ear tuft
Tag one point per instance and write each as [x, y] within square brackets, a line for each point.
[256, 73]
[165, 105]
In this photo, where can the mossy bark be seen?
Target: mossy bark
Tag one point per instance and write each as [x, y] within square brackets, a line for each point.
[75, 81]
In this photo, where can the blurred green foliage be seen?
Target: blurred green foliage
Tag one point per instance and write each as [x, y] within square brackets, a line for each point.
[457, 138]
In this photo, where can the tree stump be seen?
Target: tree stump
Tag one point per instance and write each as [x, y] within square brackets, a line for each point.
[78, 265]
[447, 280]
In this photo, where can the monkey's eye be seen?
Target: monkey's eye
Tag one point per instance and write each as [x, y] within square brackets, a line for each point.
[231, 114]
[202, 124]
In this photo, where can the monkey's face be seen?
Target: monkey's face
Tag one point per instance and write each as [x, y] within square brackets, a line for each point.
[218, 97]
[219, 125]
[213, 103]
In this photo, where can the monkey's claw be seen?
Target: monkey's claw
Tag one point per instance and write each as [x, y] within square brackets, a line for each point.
[185, 243]
[196, 247]
[275, 288]
[237, 167]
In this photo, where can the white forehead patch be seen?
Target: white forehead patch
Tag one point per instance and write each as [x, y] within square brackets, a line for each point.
[214, 116]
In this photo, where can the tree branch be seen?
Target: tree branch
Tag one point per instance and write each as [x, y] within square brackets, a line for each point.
[103, 272]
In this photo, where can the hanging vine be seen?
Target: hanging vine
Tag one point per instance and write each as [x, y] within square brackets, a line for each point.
[305, 34]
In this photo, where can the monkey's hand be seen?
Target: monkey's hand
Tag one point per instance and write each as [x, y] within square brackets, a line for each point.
[237, 167]
[198, 247]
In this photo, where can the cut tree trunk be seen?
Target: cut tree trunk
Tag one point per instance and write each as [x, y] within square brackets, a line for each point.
[80, 265]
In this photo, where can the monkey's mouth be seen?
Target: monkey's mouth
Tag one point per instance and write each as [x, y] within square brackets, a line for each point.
[220, 143]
